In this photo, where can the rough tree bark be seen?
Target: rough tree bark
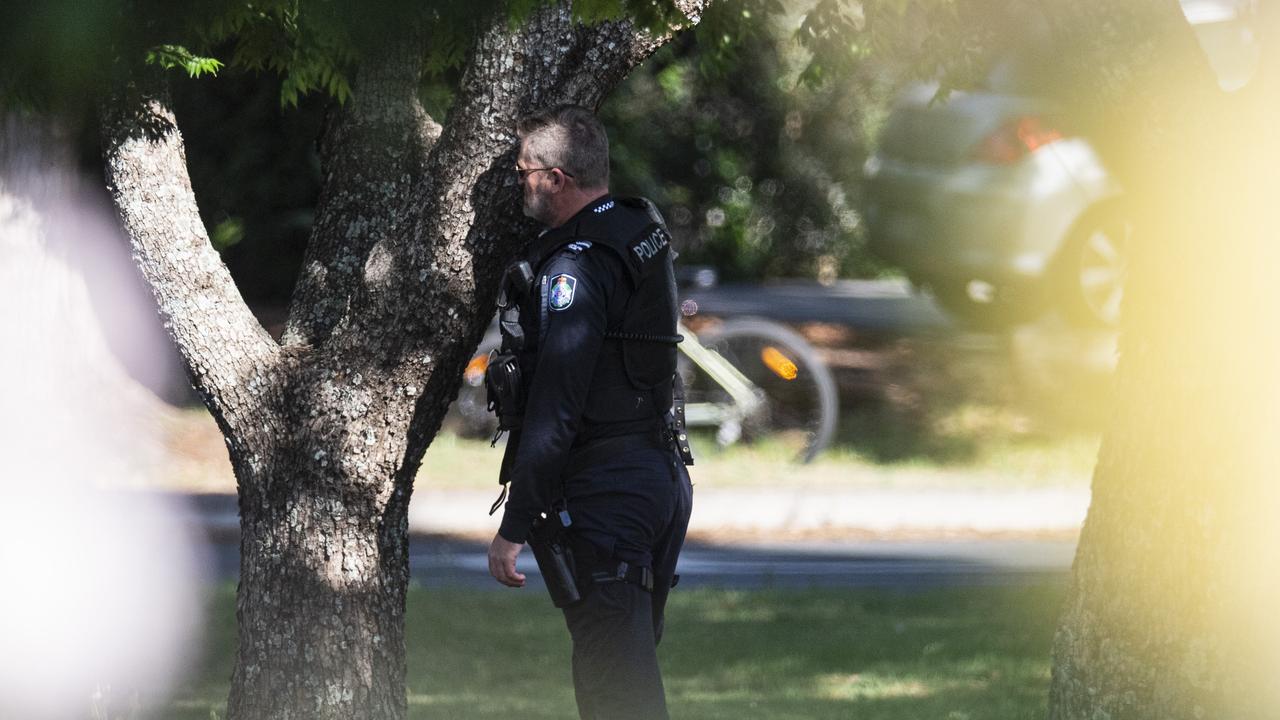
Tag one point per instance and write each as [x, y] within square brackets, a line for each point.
[1171, 613]
[326, 429]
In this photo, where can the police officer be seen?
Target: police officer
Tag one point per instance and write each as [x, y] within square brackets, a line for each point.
[598, 447]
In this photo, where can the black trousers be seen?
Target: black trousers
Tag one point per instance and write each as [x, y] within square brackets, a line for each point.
[634, 508]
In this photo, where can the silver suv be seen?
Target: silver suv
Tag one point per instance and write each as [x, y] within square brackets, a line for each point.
[995, 207]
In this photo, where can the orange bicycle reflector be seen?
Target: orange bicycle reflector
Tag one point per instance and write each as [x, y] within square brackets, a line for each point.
[474, 373]
[780, 364]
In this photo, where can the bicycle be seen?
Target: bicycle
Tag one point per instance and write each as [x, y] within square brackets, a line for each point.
[747, 380]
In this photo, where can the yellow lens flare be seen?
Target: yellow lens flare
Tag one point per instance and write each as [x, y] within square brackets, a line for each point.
[475, 371]
[780, 364]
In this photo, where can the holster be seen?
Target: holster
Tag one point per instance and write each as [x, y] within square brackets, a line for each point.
[551, 548]
[676, 423]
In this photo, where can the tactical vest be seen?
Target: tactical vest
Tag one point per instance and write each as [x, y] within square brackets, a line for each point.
[632, 382]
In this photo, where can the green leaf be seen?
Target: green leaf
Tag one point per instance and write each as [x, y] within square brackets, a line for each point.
[177, 56]
[227, 233]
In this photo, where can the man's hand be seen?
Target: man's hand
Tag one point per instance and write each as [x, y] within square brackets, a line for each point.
[502, 561]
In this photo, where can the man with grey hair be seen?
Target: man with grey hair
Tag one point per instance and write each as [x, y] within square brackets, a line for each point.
[586, 383]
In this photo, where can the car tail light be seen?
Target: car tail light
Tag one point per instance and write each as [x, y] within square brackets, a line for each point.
[1015, 139]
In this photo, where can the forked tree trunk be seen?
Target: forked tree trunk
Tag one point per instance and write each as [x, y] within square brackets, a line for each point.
[326, 430]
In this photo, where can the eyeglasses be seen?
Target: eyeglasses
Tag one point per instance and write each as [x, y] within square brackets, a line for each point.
[526, 172]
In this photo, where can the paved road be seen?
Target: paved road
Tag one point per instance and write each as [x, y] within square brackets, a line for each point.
[436, 562]
[869, 305]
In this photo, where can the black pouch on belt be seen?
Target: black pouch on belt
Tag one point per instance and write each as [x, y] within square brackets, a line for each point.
[550, 545]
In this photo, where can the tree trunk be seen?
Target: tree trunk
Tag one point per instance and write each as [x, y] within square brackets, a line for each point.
[1176, 580]
[324, 570]
[326, 430]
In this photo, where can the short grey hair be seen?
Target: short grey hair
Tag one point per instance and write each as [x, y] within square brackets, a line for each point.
[571, 138]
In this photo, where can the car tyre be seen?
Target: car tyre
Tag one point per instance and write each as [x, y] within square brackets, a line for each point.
[1091, 268]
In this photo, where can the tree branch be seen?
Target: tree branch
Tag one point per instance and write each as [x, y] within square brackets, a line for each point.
[599, 66]
[227, 353]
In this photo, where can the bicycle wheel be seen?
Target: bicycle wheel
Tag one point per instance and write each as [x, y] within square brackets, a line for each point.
[799, 406]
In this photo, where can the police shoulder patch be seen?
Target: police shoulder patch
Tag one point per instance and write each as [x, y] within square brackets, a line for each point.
[561, 295]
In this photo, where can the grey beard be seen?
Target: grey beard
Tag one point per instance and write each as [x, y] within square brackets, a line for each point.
[537, 211]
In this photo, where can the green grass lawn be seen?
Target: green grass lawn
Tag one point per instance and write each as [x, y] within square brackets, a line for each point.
[955, 654]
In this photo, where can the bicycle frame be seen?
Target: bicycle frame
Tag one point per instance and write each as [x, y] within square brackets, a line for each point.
[746, 397]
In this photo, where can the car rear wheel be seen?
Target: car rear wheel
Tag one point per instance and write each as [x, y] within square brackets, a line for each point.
[1092, 268]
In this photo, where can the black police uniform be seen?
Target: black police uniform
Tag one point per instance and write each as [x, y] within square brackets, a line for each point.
[598, 361]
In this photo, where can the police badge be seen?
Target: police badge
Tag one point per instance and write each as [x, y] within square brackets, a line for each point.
[561, 296]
